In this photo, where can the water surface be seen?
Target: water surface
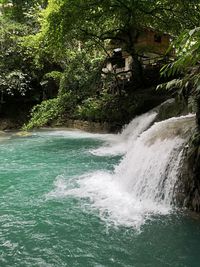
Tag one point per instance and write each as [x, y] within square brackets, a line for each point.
[45, 221]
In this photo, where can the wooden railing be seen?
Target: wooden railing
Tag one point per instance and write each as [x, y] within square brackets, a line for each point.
[159, 61]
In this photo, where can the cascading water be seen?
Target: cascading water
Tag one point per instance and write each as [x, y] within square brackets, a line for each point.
[152, 159]
[122, 142]
[143, 183]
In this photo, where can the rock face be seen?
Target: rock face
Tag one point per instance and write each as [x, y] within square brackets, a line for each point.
[87, 126]
[188, 186]
[9, 124]
[187, 189]
[171, 108]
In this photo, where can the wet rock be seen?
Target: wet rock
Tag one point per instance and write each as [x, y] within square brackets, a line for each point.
[188, 186]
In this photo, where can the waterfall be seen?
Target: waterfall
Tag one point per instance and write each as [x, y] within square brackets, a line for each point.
[122, 142]
[143, 183]
[149, 169]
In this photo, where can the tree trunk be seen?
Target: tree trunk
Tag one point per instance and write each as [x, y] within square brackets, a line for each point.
[137, 71]
[198, 114]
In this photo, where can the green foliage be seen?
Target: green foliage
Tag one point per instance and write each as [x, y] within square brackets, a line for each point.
[82, 75]
[22, 11]
[187, 48]
[43, 113]
[14, 82]
[18, 71]
[49, 110]
[12, 78]
[95, 108]
[52, 76]
[55, 75]
[68, 25]
[186, 66]
[121, 108]
[46, 45]
[65, 21]
[78, 82]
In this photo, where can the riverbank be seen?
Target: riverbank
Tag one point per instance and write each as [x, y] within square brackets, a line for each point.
[167, 109]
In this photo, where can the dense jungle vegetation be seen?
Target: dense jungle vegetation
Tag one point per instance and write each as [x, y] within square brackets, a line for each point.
[52, 55]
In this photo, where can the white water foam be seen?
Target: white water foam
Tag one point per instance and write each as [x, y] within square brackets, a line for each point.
[120, 143]
[142, 184]
[76, 134]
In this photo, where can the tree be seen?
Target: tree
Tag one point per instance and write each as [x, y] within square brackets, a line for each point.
[95, 23]
[18, 73]
[21, 11]
[12, 78]
[186, 67]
